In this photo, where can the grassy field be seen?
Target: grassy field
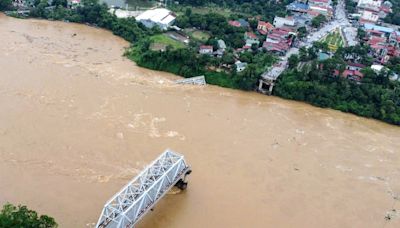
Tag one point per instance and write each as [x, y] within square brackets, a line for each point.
[199, 35]
[334, 40]
[203, 10]
[164, 39]
[141, 4]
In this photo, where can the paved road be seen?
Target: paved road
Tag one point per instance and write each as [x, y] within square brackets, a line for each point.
[340, 21]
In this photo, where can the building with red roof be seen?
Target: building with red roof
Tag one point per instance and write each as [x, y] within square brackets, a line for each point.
[206, 49]
[234, 23]
[264, 27]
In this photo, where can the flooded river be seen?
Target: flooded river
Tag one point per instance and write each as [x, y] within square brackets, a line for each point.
[78, 120]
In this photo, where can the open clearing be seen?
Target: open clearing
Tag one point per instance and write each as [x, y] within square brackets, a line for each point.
[165, 39]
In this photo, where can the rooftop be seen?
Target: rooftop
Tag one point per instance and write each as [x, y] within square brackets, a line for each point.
[159, 15]
[379, 28]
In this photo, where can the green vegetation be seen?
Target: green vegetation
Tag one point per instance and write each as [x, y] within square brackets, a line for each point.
[334, 40]
[202, 10]
[188, 63]
[375, 97]
[93, 13]
[351, 6]
[5, 4]
[215, 24]
[198, 35]
[318, 21]
[394, 17]
[165, 39]
[18, 217]
[266, 9]
[141, 4]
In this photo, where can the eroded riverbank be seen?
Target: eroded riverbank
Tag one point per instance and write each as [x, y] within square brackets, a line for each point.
[77, 121]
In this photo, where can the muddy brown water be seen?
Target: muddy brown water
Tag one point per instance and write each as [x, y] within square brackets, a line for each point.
[78, 121]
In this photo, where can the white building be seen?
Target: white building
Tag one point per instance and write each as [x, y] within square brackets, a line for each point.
[369, 4]
[369, 16]
[161, 17]
[206, 49]
[240, 66]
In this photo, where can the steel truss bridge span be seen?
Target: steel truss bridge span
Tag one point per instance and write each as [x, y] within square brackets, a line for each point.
[140, 195]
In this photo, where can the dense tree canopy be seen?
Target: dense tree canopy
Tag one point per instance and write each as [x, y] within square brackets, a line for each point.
[216, 24]
[318, 20]
[376, 96]
[17, 217]
[266, 8]
[394, 17]
[93, 13]
[5, 4]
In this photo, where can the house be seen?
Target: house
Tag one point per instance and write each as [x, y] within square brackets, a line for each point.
[354, 66]
[353, 75]
[251, 39]
[73, 3]
[386, 30]
[283, 21]
[368, 17]
[240, 66]
[221, 44]
[206, 49]
[161, 17]
[239, 23]
[313, 13]
[377, 68]
[298, 7]
[264, 27]
[327, 11]
[250, 36]
[372, 5]
[319, 2]
[243, 23]
[234, 23]
[384, 11]
[280, 47]
[219, 53]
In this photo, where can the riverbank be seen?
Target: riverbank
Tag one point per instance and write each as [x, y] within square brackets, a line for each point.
[78, 121]
[371, 100]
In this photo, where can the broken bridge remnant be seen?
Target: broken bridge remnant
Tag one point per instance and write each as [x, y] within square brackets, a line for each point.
[140, 195]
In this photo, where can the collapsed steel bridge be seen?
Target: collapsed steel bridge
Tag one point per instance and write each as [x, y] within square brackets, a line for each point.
[140, 195]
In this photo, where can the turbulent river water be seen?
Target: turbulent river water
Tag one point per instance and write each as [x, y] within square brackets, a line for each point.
[78, 121]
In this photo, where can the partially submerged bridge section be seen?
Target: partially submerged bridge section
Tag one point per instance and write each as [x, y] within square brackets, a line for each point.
[140, 195]
[268, 78]
[198, 80]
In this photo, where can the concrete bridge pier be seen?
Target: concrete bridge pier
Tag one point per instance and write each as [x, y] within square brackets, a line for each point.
[266, 86]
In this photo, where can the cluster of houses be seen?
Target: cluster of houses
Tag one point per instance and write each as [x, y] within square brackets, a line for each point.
[383, 40]
[372, 11]
[276, 38]
[384, 43]
[312, 8]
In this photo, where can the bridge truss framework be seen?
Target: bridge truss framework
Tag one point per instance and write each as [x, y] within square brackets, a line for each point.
[140, 195]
